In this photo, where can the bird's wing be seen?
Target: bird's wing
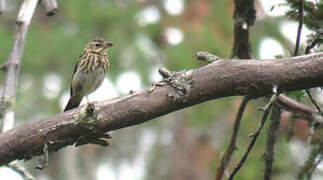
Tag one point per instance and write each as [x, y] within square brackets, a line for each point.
[75, 69]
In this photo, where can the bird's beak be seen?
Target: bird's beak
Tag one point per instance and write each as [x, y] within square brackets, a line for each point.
[108, 44]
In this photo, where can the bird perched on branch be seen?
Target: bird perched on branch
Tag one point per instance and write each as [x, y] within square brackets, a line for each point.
[89, 71]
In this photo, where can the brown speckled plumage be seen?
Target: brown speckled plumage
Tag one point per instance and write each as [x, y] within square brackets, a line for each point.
[89, 71]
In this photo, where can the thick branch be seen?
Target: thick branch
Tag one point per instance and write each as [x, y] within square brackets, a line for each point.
[244, 16]
[222, 78]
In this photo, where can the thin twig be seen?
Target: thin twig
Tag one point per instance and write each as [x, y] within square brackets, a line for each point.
[21, 170]
[300, 25]
[313, 101]
[252, 143]
[314, 42]
[229, 151]
[271, 140]
[272, 99]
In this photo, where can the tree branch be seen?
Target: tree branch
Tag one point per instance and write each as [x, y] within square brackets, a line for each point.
[308, 48]
[12, 65]
[300, 25]
[271, 140]
[252, 143]
[253, 78]
[244, 16]
[228, 153]
[301, 110]
[298, 39]
[21, 170]
[50, 6]
[313, 101]
[314, 42]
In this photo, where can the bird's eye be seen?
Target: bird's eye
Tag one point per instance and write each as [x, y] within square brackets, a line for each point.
[97, 45]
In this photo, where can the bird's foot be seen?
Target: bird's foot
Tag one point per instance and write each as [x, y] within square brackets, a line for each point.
[92, 102]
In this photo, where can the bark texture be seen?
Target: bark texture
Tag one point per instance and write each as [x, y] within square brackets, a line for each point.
[253, 78]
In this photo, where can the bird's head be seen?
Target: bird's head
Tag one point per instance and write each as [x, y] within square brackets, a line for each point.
[98, 45]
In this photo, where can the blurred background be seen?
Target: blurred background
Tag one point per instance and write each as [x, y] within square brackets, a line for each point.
[149, 34]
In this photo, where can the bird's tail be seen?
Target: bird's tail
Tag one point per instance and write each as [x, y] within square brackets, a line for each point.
[73, 103]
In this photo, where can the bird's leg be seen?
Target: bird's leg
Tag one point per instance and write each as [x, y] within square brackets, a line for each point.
[90, 102]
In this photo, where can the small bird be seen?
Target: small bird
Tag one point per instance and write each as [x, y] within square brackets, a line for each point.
[89, 71]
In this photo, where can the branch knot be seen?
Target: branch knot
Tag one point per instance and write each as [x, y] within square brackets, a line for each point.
[180, 81]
